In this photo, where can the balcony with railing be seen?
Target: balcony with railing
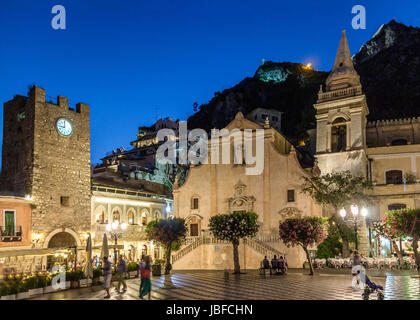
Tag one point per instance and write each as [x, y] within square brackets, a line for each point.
[134, 232]
[339, 94]
[7, 236]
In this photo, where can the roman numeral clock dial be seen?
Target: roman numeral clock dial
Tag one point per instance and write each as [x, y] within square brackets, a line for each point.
[64, 127]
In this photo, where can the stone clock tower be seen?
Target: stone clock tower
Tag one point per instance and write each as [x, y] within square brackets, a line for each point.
[46, 156]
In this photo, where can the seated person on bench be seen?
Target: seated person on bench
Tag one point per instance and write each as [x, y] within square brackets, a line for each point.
[265, 263]
[282, 265]
[275, 263]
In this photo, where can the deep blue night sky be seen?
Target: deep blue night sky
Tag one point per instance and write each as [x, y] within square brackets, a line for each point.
[135, 61]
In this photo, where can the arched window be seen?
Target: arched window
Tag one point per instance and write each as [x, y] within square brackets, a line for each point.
[100, 215]
[156, 252]
[156, 215]
[131, 217]
[144, 217]
[116, 216]
[338, 135]
[394, 177]
[144, 250]
[397, 206]
[399, 142]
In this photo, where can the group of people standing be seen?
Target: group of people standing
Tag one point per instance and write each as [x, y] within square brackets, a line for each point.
[145, 271]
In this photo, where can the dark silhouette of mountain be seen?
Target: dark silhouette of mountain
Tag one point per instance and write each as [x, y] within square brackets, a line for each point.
[389, 69]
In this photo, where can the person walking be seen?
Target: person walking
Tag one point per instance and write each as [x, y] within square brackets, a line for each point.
[121, 270]
[107, 271]
[145, 282]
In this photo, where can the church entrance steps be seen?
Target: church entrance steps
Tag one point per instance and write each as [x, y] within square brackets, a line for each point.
[263, 248]
[257, 244]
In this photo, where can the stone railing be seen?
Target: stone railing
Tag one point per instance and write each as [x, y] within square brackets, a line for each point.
[257, 244]
[263, 248]
[268, 237]
[190, 247]
[341, 93]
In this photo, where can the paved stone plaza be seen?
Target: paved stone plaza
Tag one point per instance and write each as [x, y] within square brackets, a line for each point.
[210, 285]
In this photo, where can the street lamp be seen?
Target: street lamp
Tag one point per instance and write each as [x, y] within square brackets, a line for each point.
[116, 230]
[354, 219]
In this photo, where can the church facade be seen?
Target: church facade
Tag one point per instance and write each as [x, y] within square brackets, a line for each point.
[274, 195]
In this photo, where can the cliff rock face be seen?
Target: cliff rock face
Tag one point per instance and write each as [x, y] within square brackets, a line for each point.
[388, 65]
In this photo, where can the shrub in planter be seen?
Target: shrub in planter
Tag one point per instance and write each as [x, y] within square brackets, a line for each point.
[8, 290]
[97, 273]
[157, 269]
[74, 278]
[35, 284]
[133, 269]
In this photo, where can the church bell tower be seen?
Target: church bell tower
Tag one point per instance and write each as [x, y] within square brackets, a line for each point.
[341, 112]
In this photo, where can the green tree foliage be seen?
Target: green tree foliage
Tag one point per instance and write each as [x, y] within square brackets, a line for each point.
[339, 190]
[331, 246]
[305, 232]
[404, 223]
[167, 232]
[233, 227]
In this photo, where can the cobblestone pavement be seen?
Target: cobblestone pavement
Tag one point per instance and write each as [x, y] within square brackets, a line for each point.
[209, 285]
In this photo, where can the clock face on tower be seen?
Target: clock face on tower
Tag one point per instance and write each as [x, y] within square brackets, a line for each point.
[65, 127]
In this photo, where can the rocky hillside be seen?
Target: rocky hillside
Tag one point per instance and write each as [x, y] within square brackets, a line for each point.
[388, 65]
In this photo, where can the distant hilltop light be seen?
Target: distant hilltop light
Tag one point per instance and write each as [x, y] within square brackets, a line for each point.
[309, 65]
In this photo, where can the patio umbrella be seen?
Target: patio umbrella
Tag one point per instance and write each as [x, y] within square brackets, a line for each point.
[105, 250]
[88, 266]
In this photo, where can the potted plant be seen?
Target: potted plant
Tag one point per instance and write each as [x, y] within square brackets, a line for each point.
[8, 291]
[23, 289]
[97, 273]
[36, 284]
[74, 277]
[157, 267]
[114, 276]
[132, 269]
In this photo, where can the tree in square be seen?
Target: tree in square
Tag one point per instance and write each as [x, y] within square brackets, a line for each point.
[233, 227]
[167, 232]
[338, 190]
[305, 232]
[404, 223]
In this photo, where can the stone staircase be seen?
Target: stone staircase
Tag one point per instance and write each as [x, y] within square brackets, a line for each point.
[258, 244]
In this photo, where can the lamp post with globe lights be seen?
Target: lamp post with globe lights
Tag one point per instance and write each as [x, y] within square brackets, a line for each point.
[116, 230]
[354, 218]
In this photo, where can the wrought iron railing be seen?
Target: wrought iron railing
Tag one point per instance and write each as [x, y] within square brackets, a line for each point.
[15, 235]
